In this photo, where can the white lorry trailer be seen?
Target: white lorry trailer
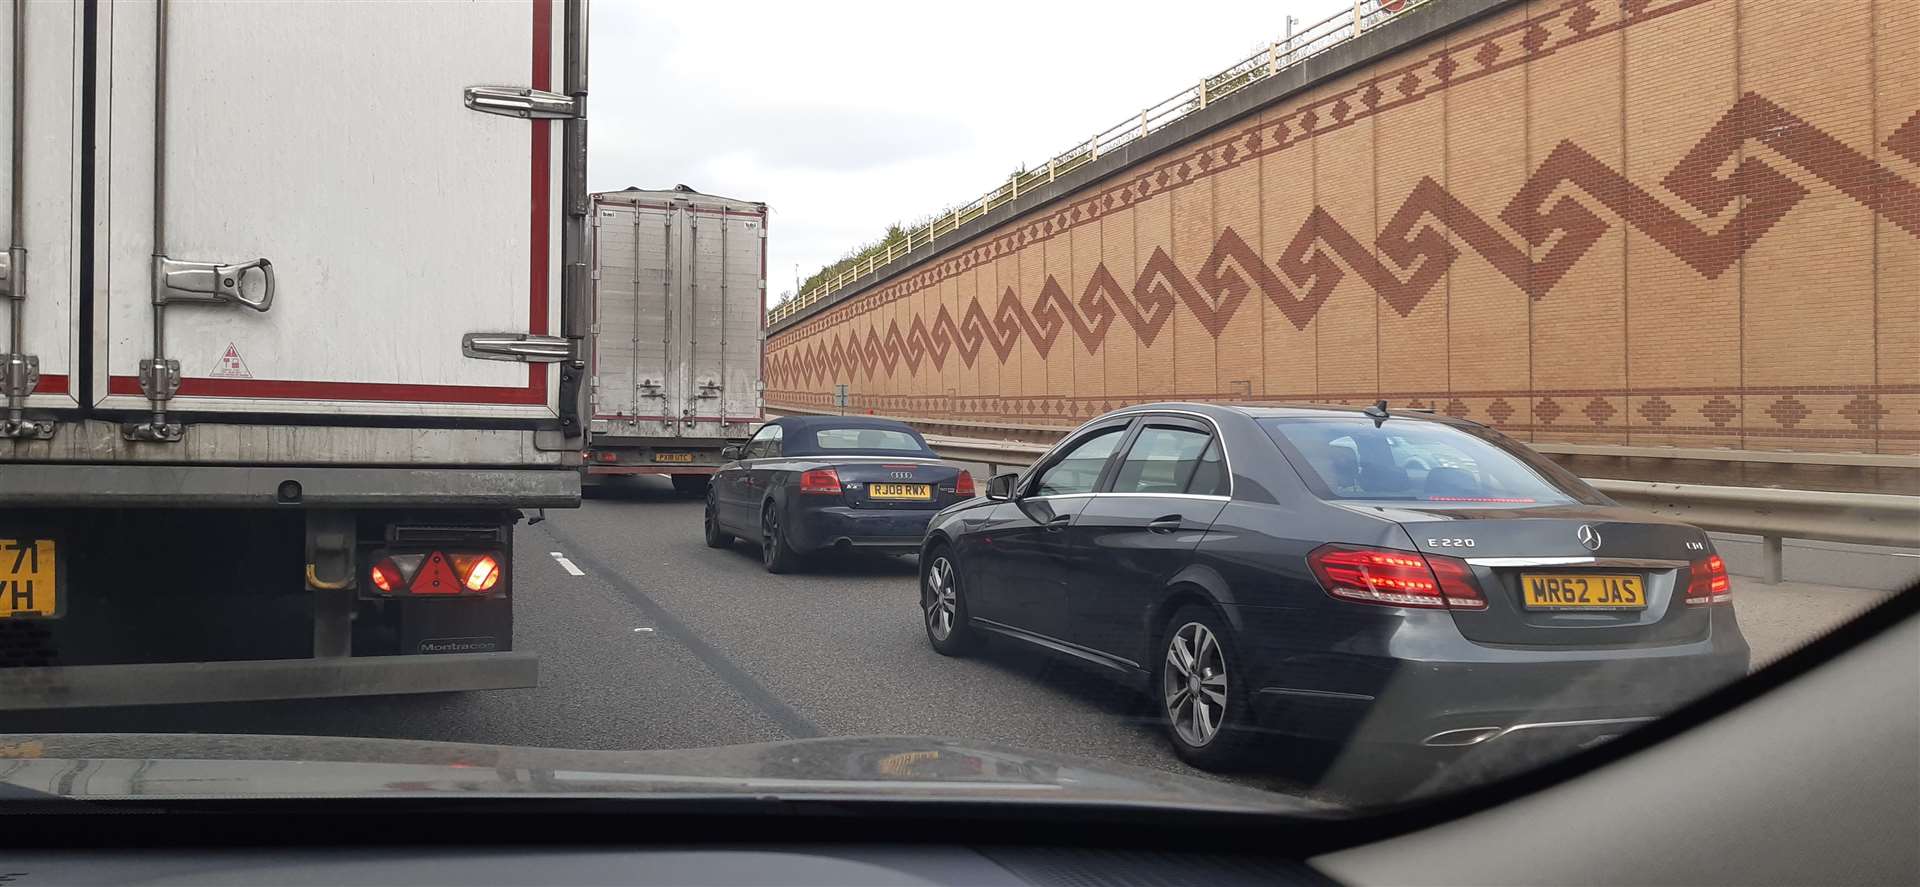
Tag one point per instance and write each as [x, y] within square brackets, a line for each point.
[296, 311]
[680, 286]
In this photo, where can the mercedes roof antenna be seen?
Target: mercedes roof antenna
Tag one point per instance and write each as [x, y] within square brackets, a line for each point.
[1378, 412]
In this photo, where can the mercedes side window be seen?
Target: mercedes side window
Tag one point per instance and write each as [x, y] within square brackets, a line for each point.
[1210, 476]
[1077, 470]
[1163, 459]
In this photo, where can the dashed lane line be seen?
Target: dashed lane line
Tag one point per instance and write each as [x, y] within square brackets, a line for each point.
[757, 694]
[565, 564]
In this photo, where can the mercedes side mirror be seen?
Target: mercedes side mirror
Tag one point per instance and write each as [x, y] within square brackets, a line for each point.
[1000, 488]
[730, 452]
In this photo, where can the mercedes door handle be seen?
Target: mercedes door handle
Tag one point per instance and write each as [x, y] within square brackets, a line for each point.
[1059, 522]
[1167, 524]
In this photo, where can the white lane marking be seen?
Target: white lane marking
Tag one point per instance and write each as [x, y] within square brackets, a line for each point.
[565, 564]
[648, 630]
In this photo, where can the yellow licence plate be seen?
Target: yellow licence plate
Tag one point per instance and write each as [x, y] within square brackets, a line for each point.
[1583, 591]
[673, 457]
[29, 587]
[900, 491]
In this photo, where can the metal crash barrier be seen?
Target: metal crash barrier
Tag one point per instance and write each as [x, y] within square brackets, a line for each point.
[1776, 515]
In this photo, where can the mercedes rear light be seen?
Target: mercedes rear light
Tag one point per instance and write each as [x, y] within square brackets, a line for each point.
[1707, 582]
[963, 485]
[1396, 578]
[821, 481]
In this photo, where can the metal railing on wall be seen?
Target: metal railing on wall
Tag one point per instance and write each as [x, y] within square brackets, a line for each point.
[1296, 47]
[1772, 514]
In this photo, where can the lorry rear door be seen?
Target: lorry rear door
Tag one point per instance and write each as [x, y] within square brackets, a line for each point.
[327, 231]
[39, 284]
[721, 306]
[631, 242]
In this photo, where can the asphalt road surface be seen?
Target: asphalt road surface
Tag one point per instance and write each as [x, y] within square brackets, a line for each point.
[648, 639]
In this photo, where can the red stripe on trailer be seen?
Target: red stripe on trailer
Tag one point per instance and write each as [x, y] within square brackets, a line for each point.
[295, 389]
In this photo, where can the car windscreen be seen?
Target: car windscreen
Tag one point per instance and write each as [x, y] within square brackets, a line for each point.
[869, 440]
[1412, 460]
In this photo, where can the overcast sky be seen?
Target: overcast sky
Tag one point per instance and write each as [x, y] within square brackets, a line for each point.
[846, 116]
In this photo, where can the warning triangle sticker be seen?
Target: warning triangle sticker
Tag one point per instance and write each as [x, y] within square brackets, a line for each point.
[231, 366]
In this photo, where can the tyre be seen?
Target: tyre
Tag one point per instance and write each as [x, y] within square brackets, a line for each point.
[775, 554]
[691, 485]
[1207, 712]
[943, 605]
[716, 537]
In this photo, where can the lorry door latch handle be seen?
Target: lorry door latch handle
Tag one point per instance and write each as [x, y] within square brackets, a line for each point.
[249, 284]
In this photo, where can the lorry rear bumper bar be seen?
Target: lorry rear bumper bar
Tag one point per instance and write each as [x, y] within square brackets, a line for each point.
[598, 469]
[188, 486]
[89, 686]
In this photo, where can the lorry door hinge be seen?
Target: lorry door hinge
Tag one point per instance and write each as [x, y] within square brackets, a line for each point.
[19, 371]
[19, 375]
[523, 347]
[523, 102]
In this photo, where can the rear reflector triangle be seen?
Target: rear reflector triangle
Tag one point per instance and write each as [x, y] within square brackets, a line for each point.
[435, 577]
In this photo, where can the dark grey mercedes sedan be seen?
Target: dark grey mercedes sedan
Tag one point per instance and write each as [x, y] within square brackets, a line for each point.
[1409, 584]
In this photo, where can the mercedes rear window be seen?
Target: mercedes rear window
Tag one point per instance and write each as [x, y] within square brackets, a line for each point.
[1413, 460]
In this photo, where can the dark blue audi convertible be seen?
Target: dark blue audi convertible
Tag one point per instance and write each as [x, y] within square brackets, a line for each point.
[804, 485]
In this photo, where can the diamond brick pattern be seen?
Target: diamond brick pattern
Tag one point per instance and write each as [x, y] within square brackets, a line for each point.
[1548, 410]
[1863, 411]
[1719, 410]
[1598, 411]
[1788, 411]
[1656, 410]
[1582, 18]
[1500, 410]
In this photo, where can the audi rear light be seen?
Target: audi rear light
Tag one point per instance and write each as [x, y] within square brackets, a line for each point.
[823, 481]
[609, 456]
[963, 485]
[1707, 582]
[1396, 578]
[477, 572]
